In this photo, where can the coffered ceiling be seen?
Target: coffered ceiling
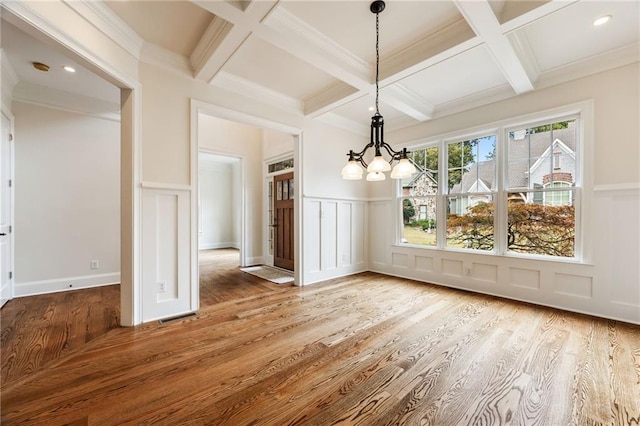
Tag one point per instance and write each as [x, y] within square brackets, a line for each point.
[437, 57]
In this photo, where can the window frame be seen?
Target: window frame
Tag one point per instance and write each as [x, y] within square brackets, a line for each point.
[581, 190]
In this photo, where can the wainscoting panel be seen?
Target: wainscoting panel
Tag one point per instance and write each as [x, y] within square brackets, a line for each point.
[166, 280]
[329, 235]
[526, 278]
[606, 283]
[485, 272]
[334, 238]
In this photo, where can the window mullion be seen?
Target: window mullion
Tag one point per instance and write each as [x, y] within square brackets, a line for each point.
[500, 199]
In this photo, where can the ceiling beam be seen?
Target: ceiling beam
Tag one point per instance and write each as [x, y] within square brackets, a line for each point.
[481, 18]
[228, 30]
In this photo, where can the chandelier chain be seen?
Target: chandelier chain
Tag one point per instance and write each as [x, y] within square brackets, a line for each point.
[377, 58]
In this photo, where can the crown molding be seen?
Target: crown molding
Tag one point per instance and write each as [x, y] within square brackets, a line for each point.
[52, 98]
[475, 100]
[347, 124]
[596, 64]
[161, 57]
[256, 91]
[451, 39]
[290, 25]
[331, 98]
[408, 102]
[212, 38]
[109, 23]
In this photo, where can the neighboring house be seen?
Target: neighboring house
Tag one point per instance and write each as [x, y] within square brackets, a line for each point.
[420, 186]
[536, 161]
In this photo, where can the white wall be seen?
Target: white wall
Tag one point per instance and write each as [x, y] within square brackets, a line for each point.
[608, 283]
[275, 144]
[335, 219]
[219, 189]
[67, 200]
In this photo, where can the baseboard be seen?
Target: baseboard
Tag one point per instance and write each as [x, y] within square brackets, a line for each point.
[31, 288]
[211, 246]
[320, 276]
[251, 261]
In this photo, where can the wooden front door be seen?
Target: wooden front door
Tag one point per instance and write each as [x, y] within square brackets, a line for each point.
[283, 221]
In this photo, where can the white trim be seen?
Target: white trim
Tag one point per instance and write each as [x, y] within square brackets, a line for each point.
[162, 185]
[155, 55]
[109, 23]
[131, 298]
[244, 87]
[32, 288]
[200, 107]
[241, 117]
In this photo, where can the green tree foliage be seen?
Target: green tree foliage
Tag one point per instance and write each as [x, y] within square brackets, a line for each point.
[531, 228]
[408, 210]
[549, 127]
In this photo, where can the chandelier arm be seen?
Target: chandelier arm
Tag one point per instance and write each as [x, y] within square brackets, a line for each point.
[364, 150]
[395, 155]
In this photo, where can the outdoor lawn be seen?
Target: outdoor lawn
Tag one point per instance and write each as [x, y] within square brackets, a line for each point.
[415, 235]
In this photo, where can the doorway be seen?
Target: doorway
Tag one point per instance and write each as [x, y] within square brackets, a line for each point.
[6, 274]
[220, 213]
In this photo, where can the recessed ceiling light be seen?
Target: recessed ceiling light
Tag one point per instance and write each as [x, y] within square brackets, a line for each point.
[601, 20]
[67, 68]
[372, 108]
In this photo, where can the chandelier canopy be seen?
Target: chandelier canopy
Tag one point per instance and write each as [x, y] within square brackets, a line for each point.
[376, 169]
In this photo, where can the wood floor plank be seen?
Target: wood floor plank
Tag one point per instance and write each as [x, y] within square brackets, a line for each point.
[363, 350]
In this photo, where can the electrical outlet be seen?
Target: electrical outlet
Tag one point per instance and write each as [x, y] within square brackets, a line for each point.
[162, 287]
[94, 264]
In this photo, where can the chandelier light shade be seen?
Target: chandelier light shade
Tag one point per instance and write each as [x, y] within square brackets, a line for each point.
[376, 169]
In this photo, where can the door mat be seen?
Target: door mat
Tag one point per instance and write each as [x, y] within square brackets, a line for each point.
[275, 275]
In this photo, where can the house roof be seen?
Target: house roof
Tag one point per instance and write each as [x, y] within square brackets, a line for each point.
[523, 155]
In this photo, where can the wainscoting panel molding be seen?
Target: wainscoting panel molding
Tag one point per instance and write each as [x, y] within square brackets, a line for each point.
[335, 239]
[166, 283]
[607, 284]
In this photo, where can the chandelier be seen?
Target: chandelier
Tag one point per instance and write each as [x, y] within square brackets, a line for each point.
[375, 170]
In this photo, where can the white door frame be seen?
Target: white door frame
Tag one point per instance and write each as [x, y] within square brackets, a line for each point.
[32, 22]
[11, 246]
[200, 107]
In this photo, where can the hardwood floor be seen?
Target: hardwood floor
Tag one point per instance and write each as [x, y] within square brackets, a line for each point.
[366, 349]
[221, 280]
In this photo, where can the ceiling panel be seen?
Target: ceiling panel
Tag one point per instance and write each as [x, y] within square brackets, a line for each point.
[352, 25]
[273, 68]
[568, 35]
[360, 110]
[174, 25]
[465, 74]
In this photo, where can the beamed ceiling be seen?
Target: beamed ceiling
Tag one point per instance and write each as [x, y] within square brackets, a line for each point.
[318, 57]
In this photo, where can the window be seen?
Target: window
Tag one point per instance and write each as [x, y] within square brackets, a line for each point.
[523, 178]
[419, 199]
[471, 182]
[542, 168]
